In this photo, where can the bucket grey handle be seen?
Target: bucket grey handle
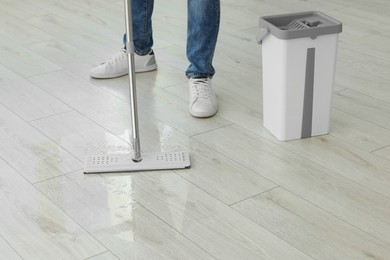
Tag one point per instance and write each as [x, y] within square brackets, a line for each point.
[261, 33]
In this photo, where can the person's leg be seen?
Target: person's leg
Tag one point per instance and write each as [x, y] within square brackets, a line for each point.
[202, 33]
[142, 26]
[144, 58]
[203, 27]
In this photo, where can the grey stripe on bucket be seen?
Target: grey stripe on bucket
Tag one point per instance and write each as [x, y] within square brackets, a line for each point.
[307, 117]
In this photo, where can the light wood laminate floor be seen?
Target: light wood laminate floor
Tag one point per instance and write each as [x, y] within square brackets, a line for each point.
[246, 196]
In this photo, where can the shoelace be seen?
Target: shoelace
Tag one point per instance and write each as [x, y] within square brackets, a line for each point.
[117, 57]
[200, 89]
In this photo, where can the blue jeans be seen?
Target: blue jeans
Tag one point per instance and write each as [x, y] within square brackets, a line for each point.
[202, 32]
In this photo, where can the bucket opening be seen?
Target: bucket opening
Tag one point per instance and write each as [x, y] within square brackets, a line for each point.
[301, 24]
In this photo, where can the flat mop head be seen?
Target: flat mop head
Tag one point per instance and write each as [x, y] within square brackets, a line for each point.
[124, 162]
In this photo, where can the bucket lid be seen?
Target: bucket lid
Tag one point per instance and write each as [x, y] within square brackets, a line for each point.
[299, 25]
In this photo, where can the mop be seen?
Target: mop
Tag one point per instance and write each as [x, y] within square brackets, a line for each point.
[135, 161]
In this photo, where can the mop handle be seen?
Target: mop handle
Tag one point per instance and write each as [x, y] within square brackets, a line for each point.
[132, 82]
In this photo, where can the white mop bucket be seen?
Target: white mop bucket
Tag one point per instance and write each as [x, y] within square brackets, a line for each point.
[299, 58]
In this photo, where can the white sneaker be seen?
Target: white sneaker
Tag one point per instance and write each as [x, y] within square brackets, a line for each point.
[203, 102]
[117, 66]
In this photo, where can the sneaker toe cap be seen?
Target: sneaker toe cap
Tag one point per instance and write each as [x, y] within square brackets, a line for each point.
[203, 109]
[98, 71]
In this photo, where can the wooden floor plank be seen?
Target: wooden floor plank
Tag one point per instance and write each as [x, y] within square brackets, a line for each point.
[7, 252]
[247, 195]
[108, 210]
[37, 229]
[28, 151]
[355, 204]
[316, 232]
[210, 224]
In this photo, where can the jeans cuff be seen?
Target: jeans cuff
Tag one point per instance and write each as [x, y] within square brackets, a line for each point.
[199, 75]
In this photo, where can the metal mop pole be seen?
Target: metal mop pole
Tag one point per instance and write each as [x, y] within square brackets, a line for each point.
[132, 82]
[135, 162]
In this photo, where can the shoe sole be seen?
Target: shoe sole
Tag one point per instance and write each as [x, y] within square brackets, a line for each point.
[202, 115]
[146, 69]
[137, 70]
